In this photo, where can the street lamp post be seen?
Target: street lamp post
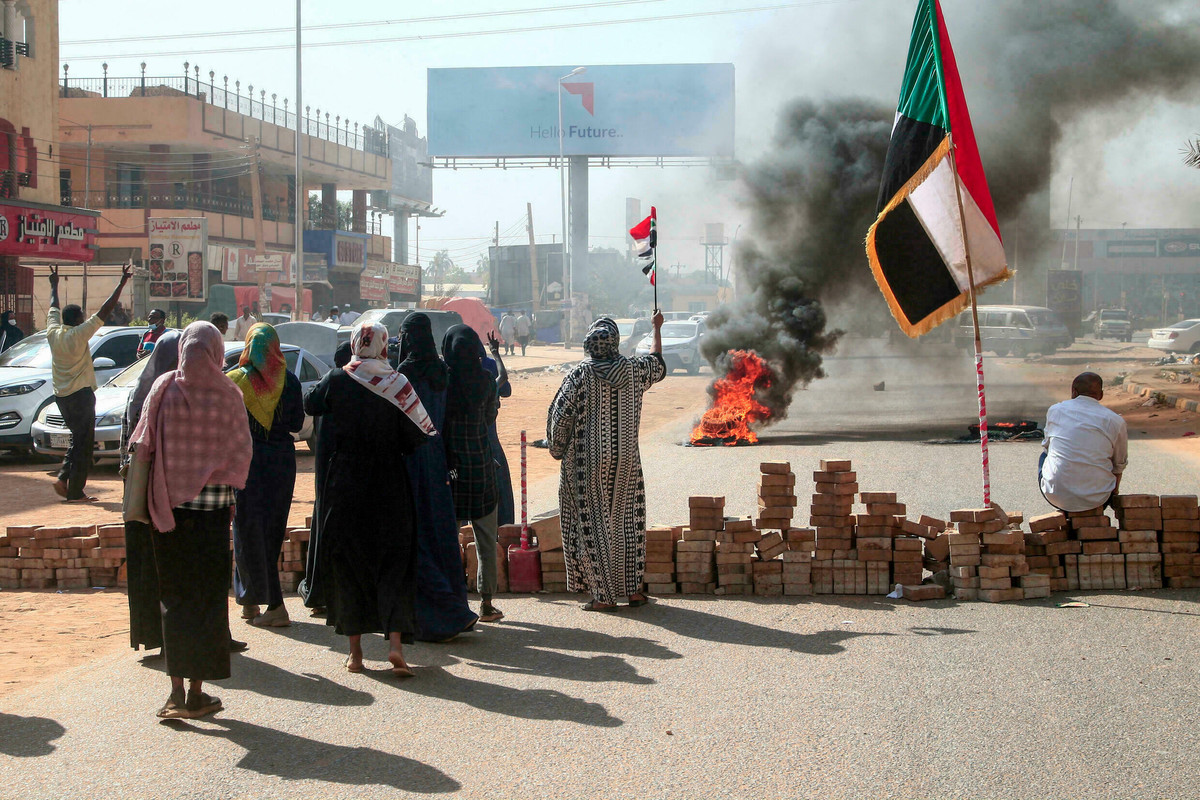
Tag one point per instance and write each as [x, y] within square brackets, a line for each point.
[562, 189]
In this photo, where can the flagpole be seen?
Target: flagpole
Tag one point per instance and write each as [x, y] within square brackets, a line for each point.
[654, 271]
[983, 429]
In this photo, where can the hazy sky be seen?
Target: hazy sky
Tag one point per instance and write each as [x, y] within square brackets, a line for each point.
[1129, 170]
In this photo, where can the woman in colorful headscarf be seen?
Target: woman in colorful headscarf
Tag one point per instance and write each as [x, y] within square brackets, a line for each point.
[368, 522]
[442, 610]
[275, 409]
[194, 434]
[593, 430]
[472, 401]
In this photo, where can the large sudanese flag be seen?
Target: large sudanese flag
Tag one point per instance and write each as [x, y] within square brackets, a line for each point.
[918, 245]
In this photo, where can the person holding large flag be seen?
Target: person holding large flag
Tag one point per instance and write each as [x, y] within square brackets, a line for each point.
[592, 428]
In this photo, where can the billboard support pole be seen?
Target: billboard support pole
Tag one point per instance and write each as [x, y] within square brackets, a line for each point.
[298, 190]
[533, 270]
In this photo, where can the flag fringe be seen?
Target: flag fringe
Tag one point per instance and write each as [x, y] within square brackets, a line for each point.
[949, 309]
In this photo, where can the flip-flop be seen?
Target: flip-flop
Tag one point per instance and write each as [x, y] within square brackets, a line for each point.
[402, 670]
[84, 499]
[350, 668]
[591, 605]
[639, 603]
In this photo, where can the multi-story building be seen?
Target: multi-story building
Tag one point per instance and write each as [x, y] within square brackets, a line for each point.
[34, 225]
[199, 145]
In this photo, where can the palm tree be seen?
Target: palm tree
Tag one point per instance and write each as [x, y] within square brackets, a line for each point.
[1191, 153]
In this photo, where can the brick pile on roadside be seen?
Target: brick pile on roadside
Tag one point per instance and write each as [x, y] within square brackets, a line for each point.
[660, 560]
[776, 509]
[292, 557]
[835, 569]
[735, 557]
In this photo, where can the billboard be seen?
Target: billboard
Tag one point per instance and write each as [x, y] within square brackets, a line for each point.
[178, 255]
[626, 110]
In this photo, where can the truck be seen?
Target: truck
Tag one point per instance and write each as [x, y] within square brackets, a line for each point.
[1113, 323]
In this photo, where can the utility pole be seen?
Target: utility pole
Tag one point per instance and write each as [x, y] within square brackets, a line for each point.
[1078, 222]
[533, 270]
[87, 187]
[496, 235]
[298, 189]
[259, 240]
[1070, 196]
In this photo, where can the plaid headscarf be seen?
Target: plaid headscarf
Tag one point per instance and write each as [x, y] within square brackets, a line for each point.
[370, 368]
[260, 373]
[603, 341]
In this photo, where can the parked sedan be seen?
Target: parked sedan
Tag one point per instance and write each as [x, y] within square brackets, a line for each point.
[1182, 337]
[51, 437]
[25, 377]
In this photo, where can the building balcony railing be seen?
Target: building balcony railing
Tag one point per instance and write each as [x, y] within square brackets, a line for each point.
[331, 128]
[9, 50]
[242, 205]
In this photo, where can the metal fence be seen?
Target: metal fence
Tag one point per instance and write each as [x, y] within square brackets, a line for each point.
[321, 125]
[241, 205]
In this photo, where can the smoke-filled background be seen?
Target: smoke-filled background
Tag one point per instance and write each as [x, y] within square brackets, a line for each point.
[1031, 71]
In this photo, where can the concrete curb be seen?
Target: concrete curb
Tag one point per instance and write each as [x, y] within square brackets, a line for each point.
[1180, 403]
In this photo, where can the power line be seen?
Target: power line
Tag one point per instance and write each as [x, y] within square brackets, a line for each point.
[369, 23]
[462, 34]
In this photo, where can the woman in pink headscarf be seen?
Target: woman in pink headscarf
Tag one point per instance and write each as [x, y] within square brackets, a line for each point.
[195, 433]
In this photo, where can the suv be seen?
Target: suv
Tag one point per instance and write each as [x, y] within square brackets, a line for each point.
[680, 345]
[1114, 323]
[1013, 330]
[26, 387]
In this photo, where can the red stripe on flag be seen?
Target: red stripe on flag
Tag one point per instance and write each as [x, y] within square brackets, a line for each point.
[970, 167]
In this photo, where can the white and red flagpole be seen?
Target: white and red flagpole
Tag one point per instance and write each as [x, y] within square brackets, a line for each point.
[524, 500]
[983, 426]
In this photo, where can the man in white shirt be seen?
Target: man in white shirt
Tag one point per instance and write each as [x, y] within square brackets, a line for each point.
[1085, 450]
[524, 329]
[243, 325]
[349, 315]
[508, 332]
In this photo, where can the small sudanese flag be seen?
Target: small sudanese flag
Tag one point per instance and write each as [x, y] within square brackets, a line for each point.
[645, 239]
[918, 245]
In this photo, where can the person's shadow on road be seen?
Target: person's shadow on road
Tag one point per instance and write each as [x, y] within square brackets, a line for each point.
[297, 758]
[28, 737]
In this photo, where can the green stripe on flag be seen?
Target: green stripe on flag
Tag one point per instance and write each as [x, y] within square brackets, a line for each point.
[923, 93]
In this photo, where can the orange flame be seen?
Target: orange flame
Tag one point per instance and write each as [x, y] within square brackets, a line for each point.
[734, 409]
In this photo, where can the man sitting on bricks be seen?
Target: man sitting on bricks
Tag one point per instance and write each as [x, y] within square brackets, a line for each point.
[1085, 450]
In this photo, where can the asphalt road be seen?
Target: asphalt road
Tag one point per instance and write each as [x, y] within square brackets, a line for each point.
[693, 697]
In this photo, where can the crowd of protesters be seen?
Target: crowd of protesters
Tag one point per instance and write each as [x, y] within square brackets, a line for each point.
[404, 457]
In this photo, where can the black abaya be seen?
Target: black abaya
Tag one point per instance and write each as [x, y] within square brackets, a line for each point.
[368, 525]
[145, 622]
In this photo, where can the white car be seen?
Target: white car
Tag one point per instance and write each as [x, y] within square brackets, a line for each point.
[51, 437]
[1182, 337]
[26, 389]
[680, 346]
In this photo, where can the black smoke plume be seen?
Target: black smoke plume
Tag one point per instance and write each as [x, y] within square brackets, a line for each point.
[811, 201]
[1030, 68]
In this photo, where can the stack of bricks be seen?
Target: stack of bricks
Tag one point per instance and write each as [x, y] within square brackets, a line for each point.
[735, 557]
[1100, 564]
[108, 557]
[1001, 572]
[547, 530]
[797, 561]
[1142, 522]
[768, 567]
[36, 557]
[776, 496]
[660, 560]
[694, 553]
[1051, 551]
[292, 557]
[834, 568]
[875, 532]
[1179, 543]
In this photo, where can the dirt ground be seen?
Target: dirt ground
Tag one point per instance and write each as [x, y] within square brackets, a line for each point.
[46, 632]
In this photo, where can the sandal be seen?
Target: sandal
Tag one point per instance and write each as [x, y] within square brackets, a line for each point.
[603, 608]
[490, 613]
[638, 603]
[352, 667]
[175, 707]
[401, 670]
[200, 704]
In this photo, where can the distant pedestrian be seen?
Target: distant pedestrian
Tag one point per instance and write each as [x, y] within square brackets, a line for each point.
[74, 381]
[593, 430]
[368, 521]
[524, 331]
[157, 320]
[220, 322]
[334, 316]
[508, 332]
[275, 409]
[313, 589]
[506, 510]
[10, 334]
[348, 316]
[318, 315]
[193, 431]
[120, 316]
[243, 324]
[471, 406]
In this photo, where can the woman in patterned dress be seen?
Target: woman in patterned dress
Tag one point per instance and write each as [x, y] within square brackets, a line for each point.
[593, 429]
